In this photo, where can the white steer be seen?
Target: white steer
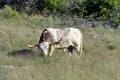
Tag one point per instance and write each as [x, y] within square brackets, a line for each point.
[63, 38]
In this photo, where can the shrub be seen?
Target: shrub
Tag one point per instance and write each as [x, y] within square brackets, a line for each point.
[33, 7]
[2, 3]
[9, 13]
[24, 6]
[55, 4]
[99, 8]
[52, 6]
[77, 8]
[117, 19]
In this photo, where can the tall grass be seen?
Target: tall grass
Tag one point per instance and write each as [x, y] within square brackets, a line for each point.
[100, 59]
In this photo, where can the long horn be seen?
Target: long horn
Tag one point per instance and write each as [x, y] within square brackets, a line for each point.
[32, 46]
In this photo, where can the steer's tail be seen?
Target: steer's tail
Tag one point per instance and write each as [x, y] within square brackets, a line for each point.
[81, 46]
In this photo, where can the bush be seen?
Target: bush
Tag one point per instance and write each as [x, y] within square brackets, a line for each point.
[98, 8]
[102, 9]
[53, 7]
[33, 7]
[24, 6]
[9, 13]
[117, 19]
[77, 8]
[2, 3]
[54, 4]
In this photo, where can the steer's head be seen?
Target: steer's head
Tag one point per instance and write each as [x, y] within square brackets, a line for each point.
[44, 47]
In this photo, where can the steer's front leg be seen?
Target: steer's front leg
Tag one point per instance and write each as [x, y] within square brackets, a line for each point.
[51, 49]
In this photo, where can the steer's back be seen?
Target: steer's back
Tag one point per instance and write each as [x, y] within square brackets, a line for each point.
[75, 36]
[70, 36]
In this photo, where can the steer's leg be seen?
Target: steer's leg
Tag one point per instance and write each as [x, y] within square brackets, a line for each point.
[79, 50]
[64, 50]
[51, 50]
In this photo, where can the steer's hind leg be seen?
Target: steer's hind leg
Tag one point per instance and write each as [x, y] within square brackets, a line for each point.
[79, 50]
[70, 50]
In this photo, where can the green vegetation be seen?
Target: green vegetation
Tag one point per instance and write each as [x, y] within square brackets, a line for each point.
[54, 4]
[99, 8]
[9, 13]
[100, 59]
[107, 10]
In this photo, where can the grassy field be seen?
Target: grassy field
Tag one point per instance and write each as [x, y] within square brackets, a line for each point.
[100, 59]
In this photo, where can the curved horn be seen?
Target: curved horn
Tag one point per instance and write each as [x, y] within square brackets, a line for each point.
[58, 41]
[32, 46]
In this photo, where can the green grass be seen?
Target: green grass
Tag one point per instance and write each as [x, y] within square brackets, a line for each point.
[100, 59]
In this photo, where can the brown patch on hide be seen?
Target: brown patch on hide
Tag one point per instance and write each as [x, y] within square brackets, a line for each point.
[47, 36]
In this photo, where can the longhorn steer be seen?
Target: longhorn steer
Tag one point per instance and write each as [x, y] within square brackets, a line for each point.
[63, 38]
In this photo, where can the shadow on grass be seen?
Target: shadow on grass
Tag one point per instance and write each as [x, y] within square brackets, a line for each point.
[23, 52]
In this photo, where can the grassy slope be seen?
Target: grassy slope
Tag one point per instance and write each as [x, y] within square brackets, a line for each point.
[100, 60]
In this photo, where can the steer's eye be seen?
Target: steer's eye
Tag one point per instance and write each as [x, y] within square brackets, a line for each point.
[45, 46]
